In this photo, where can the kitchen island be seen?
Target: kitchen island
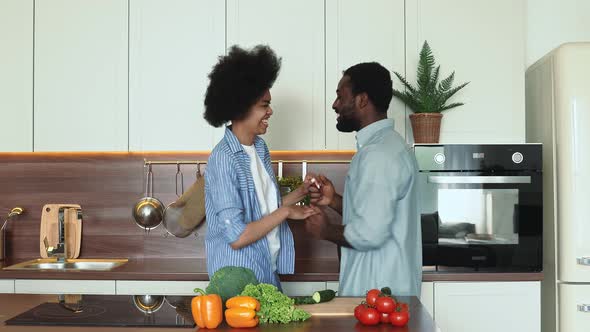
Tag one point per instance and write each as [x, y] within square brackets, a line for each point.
[15, 304]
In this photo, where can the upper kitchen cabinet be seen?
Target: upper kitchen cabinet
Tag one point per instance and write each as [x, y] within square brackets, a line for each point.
[358, 31]
[295, 31]
[80, 75]
[16, 75]
[172, 47]
[484, 43]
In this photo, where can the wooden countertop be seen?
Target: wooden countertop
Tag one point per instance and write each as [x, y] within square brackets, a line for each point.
[421, 321]
[189, 269]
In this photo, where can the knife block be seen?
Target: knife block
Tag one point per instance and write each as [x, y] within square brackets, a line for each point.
[72, 228]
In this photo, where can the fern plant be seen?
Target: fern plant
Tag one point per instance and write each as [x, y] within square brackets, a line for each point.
[429, 96]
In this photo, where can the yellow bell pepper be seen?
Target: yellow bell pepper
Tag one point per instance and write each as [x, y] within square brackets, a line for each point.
[241, 311]
[207, 310]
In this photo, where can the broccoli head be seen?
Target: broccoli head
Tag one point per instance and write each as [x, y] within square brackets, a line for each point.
[230, 281]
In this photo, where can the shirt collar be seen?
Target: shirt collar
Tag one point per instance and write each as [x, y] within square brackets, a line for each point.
[233, 142]
[364, 135]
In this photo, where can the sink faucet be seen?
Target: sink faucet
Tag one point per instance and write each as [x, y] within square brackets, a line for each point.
[60, 250]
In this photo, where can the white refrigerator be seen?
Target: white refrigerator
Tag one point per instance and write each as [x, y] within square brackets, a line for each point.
[558, 115]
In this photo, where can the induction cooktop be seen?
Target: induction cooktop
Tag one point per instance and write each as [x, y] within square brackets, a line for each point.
[98, 310]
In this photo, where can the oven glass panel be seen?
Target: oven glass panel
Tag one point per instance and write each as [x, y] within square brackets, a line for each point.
[478, 216]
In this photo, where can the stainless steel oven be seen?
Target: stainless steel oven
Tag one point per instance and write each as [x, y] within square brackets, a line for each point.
[481, 206]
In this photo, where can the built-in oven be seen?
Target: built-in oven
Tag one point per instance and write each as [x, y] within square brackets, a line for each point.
[481, 206]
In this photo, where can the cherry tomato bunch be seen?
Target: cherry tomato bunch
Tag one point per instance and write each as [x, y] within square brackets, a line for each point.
[381, 307]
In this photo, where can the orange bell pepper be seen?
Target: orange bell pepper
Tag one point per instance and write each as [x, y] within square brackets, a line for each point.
[241, 311]
[207, 310]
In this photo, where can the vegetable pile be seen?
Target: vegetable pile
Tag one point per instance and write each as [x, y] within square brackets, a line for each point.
[381, 307]
[275, 307]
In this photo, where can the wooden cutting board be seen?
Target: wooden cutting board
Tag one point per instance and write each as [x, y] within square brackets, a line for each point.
[49, 225]
[339, 306]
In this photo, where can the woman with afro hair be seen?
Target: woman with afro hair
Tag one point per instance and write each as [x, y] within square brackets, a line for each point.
[245, 213]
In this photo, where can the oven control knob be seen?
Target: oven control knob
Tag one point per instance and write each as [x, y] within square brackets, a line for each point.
[517, 157]
[439, 158]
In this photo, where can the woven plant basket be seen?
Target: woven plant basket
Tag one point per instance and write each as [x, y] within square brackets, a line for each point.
[426, 127]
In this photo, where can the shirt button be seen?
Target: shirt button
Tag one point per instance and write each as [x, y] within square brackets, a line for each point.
[227, 221]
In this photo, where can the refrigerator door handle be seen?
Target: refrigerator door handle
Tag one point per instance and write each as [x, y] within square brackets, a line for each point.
[583, 261]
[584, 307]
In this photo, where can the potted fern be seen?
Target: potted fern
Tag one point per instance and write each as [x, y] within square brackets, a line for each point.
[429, 98]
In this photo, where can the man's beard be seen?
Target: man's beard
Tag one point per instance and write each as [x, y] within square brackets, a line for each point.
[347, 123]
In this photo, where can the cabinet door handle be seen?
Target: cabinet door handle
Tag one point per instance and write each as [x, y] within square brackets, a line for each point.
[584, 307]
[583, 260]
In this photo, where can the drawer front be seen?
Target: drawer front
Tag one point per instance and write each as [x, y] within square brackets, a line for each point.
[574, 308]
[42, 286]
[6, 286]
[139, 287]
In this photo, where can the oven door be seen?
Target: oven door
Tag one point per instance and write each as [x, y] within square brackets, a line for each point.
[482, 220]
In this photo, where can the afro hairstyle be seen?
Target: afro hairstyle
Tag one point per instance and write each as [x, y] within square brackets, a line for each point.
[237, 81]
[373, 79]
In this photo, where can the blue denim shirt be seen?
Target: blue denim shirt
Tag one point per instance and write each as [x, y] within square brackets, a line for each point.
[231, 203]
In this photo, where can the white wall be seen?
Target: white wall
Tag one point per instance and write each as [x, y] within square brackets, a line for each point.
[551, 23]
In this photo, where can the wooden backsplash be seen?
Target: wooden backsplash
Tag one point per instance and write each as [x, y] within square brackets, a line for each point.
[107, 185]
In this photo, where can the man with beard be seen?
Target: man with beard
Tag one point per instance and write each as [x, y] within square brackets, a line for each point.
[380, 236]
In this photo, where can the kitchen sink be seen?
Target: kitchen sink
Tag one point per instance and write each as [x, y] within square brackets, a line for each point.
[77, 264]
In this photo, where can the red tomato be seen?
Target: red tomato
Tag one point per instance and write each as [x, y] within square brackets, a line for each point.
[358, 310]
[384, 317]
[370, 316]
[399, 318]
[385, 304]
[372, 296]
[403, 307]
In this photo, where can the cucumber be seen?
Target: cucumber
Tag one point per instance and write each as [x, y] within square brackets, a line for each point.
[323, 296]
[304, 300]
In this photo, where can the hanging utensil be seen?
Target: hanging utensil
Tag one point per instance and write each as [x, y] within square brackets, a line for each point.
[183, 216]
[173, 210]
[148, 211]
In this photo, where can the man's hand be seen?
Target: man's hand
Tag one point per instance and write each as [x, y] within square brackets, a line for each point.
[317, 224]
[324, 194]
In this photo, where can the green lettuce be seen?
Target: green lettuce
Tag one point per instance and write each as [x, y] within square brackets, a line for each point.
[275, 307]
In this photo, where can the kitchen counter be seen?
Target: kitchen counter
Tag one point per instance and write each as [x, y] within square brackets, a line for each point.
[14, 304]
[184, 269]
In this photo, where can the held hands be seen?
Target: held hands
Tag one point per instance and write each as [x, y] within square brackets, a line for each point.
[320, 189]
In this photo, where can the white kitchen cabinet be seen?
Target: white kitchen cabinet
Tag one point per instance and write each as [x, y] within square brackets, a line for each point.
[488, 306]
[484, 43]
[80, 82]
[294, 30]
[49, 286]
[574, 307]
[427, 297]
[358, 32]
[6, 286]
[16, 75]
[139, 287]
[173, 46]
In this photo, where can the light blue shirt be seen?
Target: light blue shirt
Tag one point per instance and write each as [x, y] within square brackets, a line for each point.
[380, 214]
[231, 203]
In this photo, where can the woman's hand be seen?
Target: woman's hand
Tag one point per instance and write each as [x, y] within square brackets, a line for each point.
[299, 212]
[324, 194]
